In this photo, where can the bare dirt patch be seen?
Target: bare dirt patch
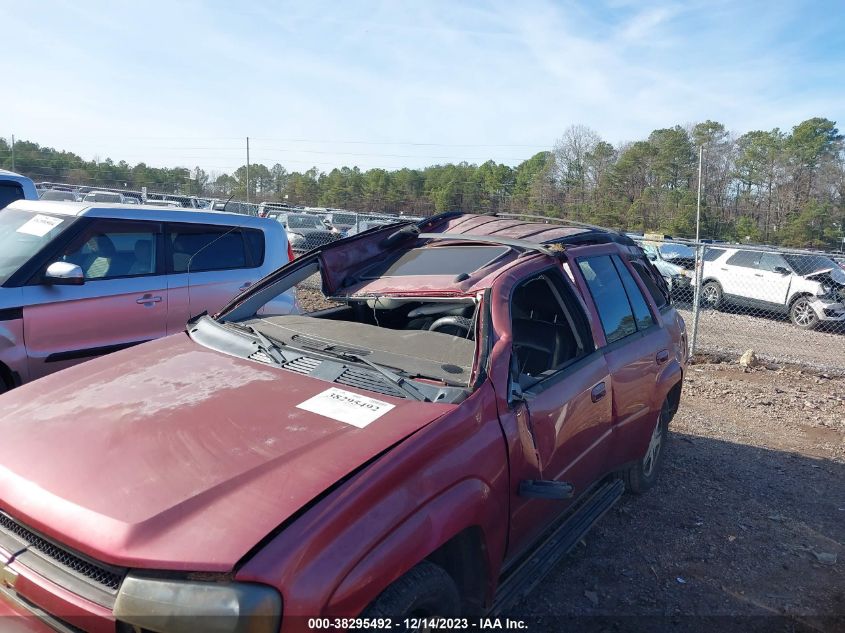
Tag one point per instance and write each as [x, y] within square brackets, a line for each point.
[745, 530]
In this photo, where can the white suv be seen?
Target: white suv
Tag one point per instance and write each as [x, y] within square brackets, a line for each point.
[809, 288]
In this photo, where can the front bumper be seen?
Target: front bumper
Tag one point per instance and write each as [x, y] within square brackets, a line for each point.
[831, 311]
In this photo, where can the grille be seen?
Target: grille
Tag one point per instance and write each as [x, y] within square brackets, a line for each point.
[108, 579]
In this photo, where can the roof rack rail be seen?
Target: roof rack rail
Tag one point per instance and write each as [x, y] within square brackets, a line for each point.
[524, 245]
[548, 219]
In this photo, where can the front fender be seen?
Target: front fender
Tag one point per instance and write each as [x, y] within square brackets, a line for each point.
[469, 503]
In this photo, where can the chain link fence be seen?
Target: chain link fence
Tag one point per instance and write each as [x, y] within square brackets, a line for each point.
[787, 305]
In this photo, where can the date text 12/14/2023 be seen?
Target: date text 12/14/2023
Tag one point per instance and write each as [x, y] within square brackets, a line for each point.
[444, 624]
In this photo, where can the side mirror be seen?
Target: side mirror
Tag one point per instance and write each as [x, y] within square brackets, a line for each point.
[64, 274]
[652, 257]
[782, 270]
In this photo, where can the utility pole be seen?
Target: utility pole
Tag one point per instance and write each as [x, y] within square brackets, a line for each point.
[13, 152]
[698, 203]
[247, 169]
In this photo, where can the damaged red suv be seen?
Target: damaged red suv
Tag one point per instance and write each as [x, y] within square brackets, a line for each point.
[458, 402]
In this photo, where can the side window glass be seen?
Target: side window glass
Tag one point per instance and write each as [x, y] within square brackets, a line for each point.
[198, 248]
[609, 295]
[9, 193]
[712, 254]
[770, 261]
[547, 328]
[642, 314]
[255, 242]
[660, 295]
[747, 259]
[113, 249]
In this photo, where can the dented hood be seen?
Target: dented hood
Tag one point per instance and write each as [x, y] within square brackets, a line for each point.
[835, 274]
[173, 456]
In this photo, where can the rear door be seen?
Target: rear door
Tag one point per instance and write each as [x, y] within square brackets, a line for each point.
[737, 273]
[635, 348]
[123, 301]
[209, 264]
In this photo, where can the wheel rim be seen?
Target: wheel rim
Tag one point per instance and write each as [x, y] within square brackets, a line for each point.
[710, 295]
[653, 452]
[803, 313]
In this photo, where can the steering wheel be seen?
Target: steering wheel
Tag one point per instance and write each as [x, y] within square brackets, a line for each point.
[449, 322]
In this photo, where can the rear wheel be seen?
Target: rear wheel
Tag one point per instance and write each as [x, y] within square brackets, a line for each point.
[802, 314]
[711, 295]
[426, 591]
[643, 475]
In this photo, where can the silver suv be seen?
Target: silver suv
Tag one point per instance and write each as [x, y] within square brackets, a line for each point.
[80, 280]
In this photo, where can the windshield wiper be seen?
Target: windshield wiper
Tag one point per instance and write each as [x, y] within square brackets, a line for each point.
[271, 348]
[403, 383]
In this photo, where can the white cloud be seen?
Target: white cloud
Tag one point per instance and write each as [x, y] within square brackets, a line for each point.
[185, 83]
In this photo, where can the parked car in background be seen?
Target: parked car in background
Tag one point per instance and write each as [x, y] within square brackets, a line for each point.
[306, 231]
[678, 278]
[103, 196]
[15, 187]
[58, 195]
[429, 443]
[79, 280]
[169, 204]
[809, 288]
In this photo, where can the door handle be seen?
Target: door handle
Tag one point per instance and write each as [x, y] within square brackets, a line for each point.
[148, 299]
[758, 274]
[598, 392]
[662, 356]
[245, 286]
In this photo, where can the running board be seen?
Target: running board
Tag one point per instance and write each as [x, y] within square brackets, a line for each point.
[554, 547]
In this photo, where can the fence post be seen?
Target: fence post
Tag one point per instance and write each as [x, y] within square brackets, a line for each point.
[696, 296]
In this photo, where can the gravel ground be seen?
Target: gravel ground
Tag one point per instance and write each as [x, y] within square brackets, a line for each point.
[771, 337]
[745, 530]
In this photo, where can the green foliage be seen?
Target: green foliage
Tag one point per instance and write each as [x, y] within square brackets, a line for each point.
[763, 186]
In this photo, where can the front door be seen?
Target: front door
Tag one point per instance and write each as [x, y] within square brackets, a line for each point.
[559, 427]
[122, 302]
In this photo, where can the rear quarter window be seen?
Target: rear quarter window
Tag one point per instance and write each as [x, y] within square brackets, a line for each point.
[712, 254]
[202, 248]
[255, 244]
[9, 192]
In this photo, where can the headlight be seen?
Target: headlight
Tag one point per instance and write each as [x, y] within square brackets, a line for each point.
[182, 606]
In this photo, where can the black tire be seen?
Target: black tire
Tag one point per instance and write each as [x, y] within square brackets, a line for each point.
[802, 315]
[643, 475]
[426, 591]
[711, 295]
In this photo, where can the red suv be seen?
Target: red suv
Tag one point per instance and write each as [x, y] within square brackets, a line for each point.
[465, 398]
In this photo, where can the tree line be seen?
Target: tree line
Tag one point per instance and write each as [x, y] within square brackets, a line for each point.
[762, 186]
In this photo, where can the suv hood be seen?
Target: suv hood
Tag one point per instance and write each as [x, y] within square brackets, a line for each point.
[173, 456]
[837, 275]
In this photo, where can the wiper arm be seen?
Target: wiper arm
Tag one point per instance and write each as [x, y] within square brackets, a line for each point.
[270, 348]
[403, 383]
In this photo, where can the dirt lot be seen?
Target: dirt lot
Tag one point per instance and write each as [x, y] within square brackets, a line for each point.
[773, 337]
[745, 530]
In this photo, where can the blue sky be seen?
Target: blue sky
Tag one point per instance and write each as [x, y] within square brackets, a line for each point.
[392, 84]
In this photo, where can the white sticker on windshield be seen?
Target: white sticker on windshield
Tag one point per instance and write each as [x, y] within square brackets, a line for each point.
[40, 225]
[345, 406]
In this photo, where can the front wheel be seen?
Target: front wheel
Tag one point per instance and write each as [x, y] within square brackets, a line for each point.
[802, 314]
[426, 591]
